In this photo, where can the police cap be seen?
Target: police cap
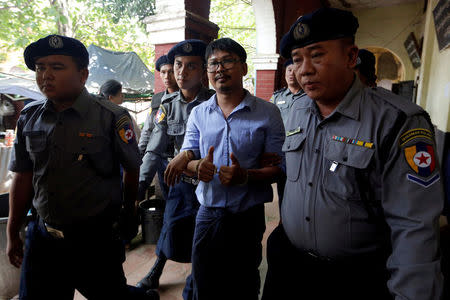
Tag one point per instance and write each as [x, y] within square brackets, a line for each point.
[55, 45]
[187, 48]
[161, 61]
[288, 62]
[321, 25]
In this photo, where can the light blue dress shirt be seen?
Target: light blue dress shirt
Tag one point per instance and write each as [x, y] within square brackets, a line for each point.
[253, 128]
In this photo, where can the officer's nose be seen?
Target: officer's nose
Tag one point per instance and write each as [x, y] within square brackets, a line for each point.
[305, 68]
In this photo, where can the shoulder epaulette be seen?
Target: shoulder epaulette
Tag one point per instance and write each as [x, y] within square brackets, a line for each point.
[108, 105]
[279, 91]
[32, 105]
[156, 100]
[402, 104]
[170, 97]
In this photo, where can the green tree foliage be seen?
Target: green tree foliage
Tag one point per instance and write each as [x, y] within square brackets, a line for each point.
[237, 21]
[24, 21]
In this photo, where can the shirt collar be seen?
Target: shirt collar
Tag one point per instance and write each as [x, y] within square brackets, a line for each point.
[248, 102]
[81, 104]
[349, 106]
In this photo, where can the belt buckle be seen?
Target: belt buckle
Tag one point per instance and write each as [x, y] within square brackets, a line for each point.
[54, 232]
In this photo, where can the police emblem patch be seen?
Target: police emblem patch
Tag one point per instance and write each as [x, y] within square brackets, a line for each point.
[301, 31]
[160, 115]
[125, 129]
[55, 42]
[420, 157]
[187, 48]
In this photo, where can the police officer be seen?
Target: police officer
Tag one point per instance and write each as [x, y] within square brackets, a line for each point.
[66, 160]
[363, 192]
[153, 162]
[175, 241]
[285, 97]
[365, 67]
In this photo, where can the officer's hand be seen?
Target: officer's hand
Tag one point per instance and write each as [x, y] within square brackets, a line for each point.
[175, 168]
[14, 250]
[233, 174]
[128, 223]
[206, 168]
[269, 159]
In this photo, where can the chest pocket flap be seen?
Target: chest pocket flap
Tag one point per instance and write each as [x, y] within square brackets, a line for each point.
[349, 155]
[342, 178]
[175, 128]
[293, 145]
[35, 140]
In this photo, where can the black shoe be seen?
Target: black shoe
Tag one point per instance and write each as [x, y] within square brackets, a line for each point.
[151, 280]
[153, 295]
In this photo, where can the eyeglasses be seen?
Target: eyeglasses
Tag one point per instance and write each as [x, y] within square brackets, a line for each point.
[227, 64]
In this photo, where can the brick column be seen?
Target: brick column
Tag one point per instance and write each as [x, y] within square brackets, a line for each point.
[175, 21]
[266, 75]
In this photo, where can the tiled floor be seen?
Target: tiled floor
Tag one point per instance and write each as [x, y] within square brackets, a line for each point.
[141, 259]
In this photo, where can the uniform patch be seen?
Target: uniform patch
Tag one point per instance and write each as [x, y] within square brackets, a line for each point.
[355, 142]
[420, 157]
[160, 115]
[420, 181]
[125, 129]
[414, 134]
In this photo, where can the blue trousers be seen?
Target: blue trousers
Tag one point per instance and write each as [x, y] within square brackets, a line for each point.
[175, 240]
[226, 253]
[88, 260]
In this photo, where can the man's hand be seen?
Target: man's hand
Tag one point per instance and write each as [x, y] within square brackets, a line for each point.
[269, 159]
[233, 174]
[206, 168]
[175, 168]
[14, 250]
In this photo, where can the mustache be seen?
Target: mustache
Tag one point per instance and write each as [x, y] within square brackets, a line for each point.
[220, 76]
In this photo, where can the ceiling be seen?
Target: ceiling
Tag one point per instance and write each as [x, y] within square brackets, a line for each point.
[359, 4]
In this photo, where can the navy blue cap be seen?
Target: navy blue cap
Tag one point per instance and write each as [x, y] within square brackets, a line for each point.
[161, 61]
[187, 48]
[324, 24]
[55, 45]
[288, 62]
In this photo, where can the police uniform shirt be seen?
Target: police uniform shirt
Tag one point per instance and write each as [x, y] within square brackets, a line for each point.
[149, 124]
[75, 156]
[170, 121]
[284, 99]
[376, 142]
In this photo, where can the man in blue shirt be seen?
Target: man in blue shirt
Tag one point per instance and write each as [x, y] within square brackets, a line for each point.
[227, 135]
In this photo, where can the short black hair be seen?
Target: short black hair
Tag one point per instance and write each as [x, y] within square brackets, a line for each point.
[228, 45]
[110, 88]
[81, 64]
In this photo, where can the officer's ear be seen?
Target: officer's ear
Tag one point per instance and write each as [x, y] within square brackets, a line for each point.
[244, 69]
[352, 53]
[84, 74]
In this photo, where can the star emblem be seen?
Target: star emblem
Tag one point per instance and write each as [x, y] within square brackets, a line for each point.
[422, 159]
[129, 134]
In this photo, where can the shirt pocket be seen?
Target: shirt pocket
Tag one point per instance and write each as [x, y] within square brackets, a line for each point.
[293, 146]
[35, 141]
[343, 163]
[91, 152]
[175, 128]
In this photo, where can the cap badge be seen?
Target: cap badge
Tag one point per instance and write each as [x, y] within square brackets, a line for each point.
[187, 48]
[358, 61]
[55, 42]
[301, 31]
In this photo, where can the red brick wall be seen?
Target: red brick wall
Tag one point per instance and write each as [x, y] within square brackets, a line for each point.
[160, 50]
[265, 83]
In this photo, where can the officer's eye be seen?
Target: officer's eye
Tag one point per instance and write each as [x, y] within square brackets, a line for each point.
[316, 54]
[192, 66]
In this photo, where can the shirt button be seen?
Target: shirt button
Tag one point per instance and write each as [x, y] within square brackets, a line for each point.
[316, 150]
[345, 158]
[307, 219]
[310, 183]
[59, 123]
